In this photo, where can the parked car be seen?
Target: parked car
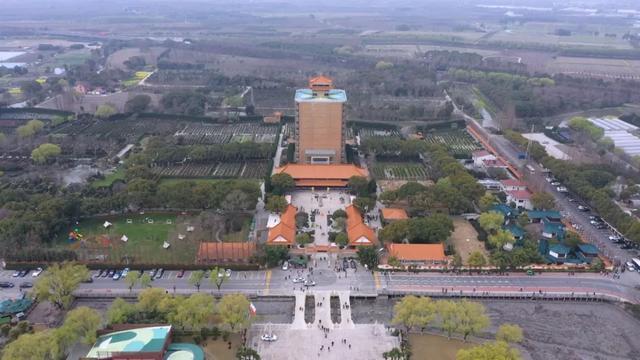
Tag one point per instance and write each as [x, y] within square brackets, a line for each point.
[562, 189]
[630, 266]
[125, 271]
[6, 284]
[601, 226]
[36, 272]
[111, 273]
[227, 273]
[309, 283]
[159, 274]
[298, 279]
[26, 285]
[16, 273]
[180, 274]
[595, 218]
[152, 273]
[117, 275]
[583, 208]
[285, 265]
[615, 238]
[96, 275]
[555, 183]
[24, 273]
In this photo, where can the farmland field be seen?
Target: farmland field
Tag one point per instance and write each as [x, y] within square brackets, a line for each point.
[247, 170]
[459, 143]
[400, 171]
[372, 132]
[193, 134]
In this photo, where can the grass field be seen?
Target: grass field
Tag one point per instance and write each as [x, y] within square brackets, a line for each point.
[146, 234]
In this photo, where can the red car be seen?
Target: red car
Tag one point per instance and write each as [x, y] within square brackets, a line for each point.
[180, 274]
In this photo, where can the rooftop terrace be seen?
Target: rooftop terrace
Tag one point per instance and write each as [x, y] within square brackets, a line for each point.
[333, 95]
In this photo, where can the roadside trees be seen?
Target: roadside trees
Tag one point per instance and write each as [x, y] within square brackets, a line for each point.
[543, 201]
[275, 254]
[414, 312]
[489, 351]
[57, 284]
[509, 333]
[245, 353]
[368, 256]
[120, 311]
[145, 280]
[500, 238]
[196, 278]
[194, 311]
[234, 311]
[218, 276]
[132, 279]
[472, 318]
[477, 260]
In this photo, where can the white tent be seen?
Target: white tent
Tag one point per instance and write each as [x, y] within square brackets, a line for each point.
[190, 228]
[166, 245]
[181, 237]
[124, 238]
[106, 224]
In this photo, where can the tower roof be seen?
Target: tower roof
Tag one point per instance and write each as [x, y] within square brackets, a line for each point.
[320, 81]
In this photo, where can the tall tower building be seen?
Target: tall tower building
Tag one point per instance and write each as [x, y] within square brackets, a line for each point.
[320, 127]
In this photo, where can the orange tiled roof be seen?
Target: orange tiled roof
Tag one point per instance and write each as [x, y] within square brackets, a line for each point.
[394, 214]
[285, 232]
[321, 183]
[320, 80]
[321, 172]
[417, 252]
[217, 251]
[356, 229]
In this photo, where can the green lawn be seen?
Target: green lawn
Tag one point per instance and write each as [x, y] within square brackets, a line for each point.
[145, 239]
[109, 179]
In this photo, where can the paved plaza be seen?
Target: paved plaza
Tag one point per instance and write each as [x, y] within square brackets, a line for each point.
[322, 338]
[326, 202]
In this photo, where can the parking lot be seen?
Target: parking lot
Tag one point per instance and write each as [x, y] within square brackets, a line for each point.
[591, 227]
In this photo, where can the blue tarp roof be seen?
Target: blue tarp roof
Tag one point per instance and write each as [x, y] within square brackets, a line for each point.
[560, 249]
[541, 214]
[505, 210]
[588, 249]
[515, 230]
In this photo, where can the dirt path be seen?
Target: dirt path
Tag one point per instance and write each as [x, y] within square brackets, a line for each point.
[465, 239]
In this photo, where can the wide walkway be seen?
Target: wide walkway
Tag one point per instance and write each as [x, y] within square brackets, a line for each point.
[322, 339]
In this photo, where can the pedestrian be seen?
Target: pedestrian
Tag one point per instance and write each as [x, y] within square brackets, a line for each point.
[349, 346]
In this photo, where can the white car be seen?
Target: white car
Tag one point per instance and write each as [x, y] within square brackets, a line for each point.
[309, 283]
[562, 189]
[285, 266]
[298, 280]
[124, 272]
[269, 337]
[555, 183]
[630, 266]
[36, 272]
[615, 238]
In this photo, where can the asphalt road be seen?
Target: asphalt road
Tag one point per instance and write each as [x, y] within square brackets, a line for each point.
[624, 288]
[537, 181]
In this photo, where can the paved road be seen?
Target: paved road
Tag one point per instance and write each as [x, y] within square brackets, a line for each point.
[551, 283]
[569, 209]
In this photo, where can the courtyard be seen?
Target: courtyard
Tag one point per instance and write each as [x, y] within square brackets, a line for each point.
[325, 203]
